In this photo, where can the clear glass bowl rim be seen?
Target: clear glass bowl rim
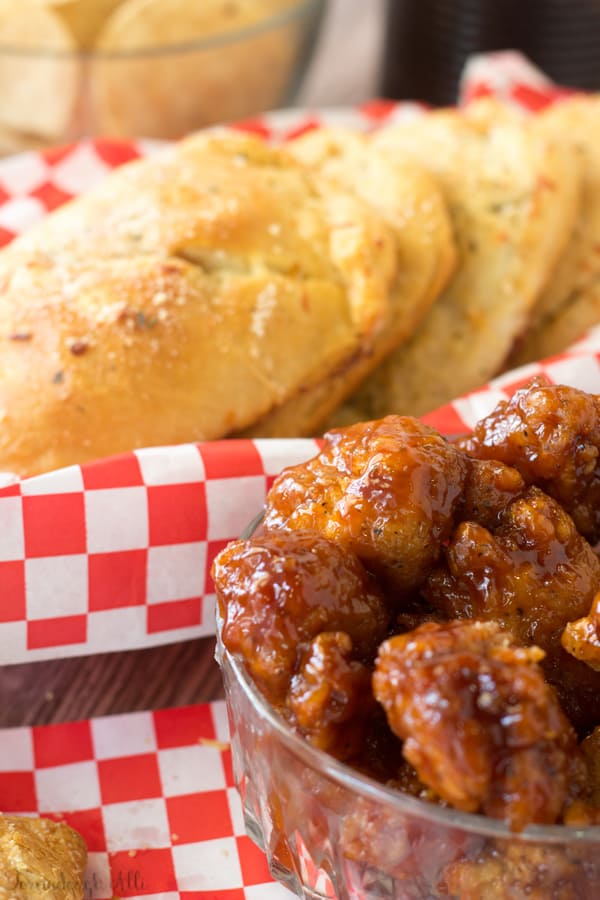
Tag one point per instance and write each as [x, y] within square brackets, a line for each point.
[373, 790]
[298, 11]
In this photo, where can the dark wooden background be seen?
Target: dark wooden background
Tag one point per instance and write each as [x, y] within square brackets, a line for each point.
[67, 689]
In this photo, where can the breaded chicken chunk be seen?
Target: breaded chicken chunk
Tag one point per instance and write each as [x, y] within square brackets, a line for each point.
[585, 808]
[278, 592]
[479, 723]
[490, 488]
[330, 697]
[387, 489]
[582, 638]
[551, 434]
[533, 575]
[524, 872]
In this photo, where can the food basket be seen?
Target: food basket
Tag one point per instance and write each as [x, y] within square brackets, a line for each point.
[153, 793]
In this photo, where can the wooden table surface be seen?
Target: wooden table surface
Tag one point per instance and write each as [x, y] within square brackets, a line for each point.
[178, 674]
[67, 689]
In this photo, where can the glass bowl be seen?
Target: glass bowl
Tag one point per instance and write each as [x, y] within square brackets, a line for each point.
[329, 832]
[155, 76]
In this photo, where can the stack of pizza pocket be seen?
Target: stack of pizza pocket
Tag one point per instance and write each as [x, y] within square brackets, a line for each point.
[512, 192]
[231, 287]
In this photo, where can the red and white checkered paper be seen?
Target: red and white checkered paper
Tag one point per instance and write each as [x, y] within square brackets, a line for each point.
[116, 554]
[153, 796]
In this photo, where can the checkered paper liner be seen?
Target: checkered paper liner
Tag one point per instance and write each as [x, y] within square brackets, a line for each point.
[116, 554]
[153, 796]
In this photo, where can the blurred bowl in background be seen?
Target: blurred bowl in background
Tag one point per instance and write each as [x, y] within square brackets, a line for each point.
[146, 68]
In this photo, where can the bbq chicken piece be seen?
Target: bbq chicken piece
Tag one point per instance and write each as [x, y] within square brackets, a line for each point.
[480, 725]
[551, 434]
[386, 489]
[591, 753]
[490, 487]
[525, 872]
[330, 698]
[582, 638]
[585, 809]
[277, 592]
[40, 858]
[533, 576]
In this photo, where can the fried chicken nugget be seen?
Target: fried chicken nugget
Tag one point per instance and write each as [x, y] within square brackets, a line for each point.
[551, 434]
[330, 696]
[582, 638]
[591, 751]
[277, 592]
[479, 723]
[490, 488]
[38, 858]
[585, 809]
[386, 489]
[524, 872]
[533, 575]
